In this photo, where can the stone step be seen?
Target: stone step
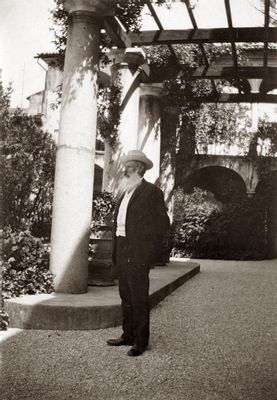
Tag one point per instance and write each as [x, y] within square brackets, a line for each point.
[99, 308]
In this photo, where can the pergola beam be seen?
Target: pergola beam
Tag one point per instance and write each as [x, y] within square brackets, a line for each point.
[221, 72]
[266, 26]
[233, 44]
[159, 24]
[119, 37]
[194, 24]
[201, 46]
[235, 98]
[230, 24]
[154, 14]
[198, 36]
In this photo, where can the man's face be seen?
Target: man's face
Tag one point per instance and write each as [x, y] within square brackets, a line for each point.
[130, 169]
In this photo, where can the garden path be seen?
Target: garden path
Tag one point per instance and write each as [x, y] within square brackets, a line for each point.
[214, 338]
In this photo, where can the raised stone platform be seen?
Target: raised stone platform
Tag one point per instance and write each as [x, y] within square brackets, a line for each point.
[99, 308]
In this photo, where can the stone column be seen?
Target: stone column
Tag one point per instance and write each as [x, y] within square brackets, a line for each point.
[72, 204]
[149, 131]
[125, 72]
[254, 117]
[169, 124]
[255, 88]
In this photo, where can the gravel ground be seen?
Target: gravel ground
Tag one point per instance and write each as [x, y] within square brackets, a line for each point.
[215, 338]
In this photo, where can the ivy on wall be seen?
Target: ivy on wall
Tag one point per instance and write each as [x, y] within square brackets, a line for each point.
[108, 113]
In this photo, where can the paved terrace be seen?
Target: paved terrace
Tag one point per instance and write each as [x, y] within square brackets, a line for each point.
[214, 338]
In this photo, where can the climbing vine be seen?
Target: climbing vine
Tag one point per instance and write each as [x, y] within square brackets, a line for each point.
[108, 117]
[128, 11]
[210, 121]
[224, 124]
[263, 147]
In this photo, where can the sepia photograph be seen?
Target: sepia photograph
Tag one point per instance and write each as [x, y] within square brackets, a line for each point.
[138, 199]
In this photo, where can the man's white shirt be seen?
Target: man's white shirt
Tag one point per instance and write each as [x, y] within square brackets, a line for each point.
[122, 213]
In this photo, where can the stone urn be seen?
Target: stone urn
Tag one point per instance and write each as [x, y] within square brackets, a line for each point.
[100, 268]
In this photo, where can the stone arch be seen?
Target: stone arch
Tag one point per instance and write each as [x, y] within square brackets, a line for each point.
[223, 182]
[246, 170]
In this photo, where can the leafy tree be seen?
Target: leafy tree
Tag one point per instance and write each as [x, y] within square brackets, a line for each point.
[27, 170]
[223, 124]
[27, 180]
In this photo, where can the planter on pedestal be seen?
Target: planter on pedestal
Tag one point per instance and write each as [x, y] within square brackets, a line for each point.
[100, 268]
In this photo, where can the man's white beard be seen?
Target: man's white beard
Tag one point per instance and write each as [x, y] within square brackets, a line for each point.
[128, 183]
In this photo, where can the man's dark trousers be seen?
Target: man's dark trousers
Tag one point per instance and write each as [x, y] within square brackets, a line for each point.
[133, 282]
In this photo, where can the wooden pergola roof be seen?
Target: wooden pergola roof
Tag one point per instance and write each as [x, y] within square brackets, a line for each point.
[264, 36]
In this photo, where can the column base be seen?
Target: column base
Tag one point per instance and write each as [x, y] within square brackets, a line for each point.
[99, 308]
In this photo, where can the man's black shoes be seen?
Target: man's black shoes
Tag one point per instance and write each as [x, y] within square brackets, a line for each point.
[135, 352]
[120, 342]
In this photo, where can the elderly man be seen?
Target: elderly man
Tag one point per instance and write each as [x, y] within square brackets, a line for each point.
[141, 221]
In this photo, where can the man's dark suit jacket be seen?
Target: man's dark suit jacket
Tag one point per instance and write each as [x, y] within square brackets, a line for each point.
[146, 224]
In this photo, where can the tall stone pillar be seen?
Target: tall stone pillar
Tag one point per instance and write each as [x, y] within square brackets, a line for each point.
[72, 204]
[149, 131]
[169, 125]
[254, 117]
[125, 72]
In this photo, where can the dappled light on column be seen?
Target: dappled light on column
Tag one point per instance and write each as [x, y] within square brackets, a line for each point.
[76, 148]
[149, 133]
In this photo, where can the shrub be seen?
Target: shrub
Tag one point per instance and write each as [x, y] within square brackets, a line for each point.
[204, 230]
[25, 267]
[27, 181]
[27, 169]
[191, 214]
[236, 232]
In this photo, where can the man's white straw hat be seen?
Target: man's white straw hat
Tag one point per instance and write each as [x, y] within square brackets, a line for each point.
[136, 155]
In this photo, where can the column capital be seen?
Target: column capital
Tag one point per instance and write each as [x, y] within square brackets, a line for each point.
[152, 89]
[133, 57]
[255, 84]
[98, 7]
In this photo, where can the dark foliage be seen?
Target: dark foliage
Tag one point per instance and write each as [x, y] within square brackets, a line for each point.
[26, 264]
[27, 180]
[236, 230]
[108, 113]
[27, 170]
